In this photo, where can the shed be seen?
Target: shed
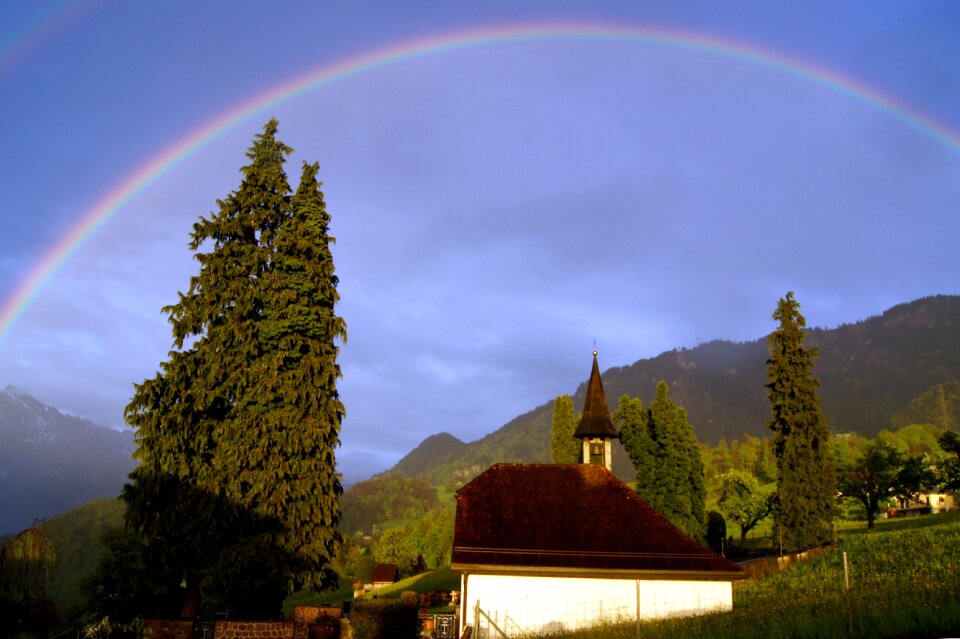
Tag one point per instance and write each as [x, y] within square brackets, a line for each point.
[384, 575]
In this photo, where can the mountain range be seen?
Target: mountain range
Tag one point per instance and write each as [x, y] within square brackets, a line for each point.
[51, 462]
[875, 374]
[870, 372]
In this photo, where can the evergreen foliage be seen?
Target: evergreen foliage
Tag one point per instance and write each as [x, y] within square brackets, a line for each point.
[805, 481]
[632, 422]
[564, 447]
[666, 455]
[244, 417]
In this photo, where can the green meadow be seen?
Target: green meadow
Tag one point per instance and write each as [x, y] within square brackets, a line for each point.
[904, 582]
[439, 579]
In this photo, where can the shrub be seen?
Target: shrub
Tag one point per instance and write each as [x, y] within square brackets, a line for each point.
[384, 619]
[716, 531]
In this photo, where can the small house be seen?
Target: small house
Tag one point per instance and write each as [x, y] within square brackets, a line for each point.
[384, 575]
[926, 503]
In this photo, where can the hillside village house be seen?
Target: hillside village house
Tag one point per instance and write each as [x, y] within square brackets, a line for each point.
[931, 502]
[384, 575]
[549, 546]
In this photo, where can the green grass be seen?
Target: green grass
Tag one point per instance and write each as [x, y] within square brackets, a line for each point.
[439, 579]
[905, 582]
[846, 528]
[309, 598]
[392, 523]
[444, 496]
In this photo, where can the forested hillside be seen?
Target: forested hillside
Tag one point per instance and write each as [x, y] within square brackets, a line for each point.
[870, 371]
[76, 536]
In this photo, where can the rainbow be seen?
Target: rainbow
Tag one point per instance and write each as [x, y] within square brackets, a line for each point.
[120, 195]
[42, 28]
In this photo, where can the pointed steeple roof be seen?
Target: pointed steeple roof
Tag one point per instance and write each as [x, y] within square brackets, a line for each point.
[596, 420]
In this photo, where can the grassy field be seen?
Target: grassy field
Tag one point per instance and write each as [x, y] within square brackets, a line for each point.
[904, 582]
[904, 578]
[439, 579]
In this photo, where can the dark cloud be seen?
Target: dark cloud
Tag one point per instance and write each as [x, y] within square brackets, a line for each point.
[497, 208]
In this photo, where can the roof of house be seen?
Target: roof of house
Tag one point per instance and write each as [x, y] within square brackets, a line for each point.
[571, 517]
[384, 573]
[596, 420]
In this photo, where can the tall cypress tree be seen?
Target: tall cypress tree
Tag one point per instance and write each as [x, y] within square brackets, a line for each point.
[805, 482]
[564, 447]
[666, 455]
[682, 490]
[243, 419]
[632, 423]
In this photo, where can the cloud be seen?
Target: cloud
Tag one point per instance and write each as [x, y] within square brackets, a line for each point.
[497, 209]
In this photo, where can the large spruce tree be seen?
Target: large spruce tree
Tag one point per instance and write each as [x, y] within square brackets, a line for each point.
[666, 455]
[564, 447]
[238, 430]
[805, 482]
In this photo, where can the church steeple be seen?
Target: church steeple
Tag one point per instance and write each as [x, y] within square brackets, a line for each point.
[596, 428]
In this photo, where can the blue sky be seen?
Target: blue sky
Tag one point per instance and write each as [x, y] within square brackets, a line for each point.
[497, 208]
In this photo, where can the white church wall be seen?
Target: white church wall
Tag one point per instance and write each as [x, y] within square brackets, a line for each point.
[527, 604]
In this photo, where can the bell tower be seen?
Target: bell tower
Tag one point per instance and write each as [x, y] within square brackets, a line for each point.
[596, 429]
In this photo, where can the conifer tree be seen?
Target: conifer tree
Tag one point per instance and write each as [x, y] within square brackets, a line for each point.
[666, 455]
[805, 482]
[243, 418]
[564, 447]
[632, 423]
[681, 489]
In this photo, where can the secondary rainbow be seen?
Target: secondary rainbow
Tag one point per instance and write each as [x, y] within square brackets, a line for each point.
[120, 195]
[45, 25]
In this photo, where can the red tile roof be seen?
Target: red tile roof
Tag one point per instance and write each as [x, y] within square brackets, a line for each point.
[596, 420]
[571, 517]
[384, 573]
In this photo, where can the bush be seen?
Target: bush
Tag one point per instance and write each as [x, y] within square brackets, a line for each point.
[384, 619]
[716, 531]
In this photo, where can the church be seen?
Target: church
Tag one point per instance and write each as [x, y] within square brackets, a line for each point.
[545, 547]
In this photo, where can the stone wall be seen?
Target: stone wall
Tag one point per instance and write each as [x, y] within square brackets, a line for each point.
[254, 630]
[299, 628]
